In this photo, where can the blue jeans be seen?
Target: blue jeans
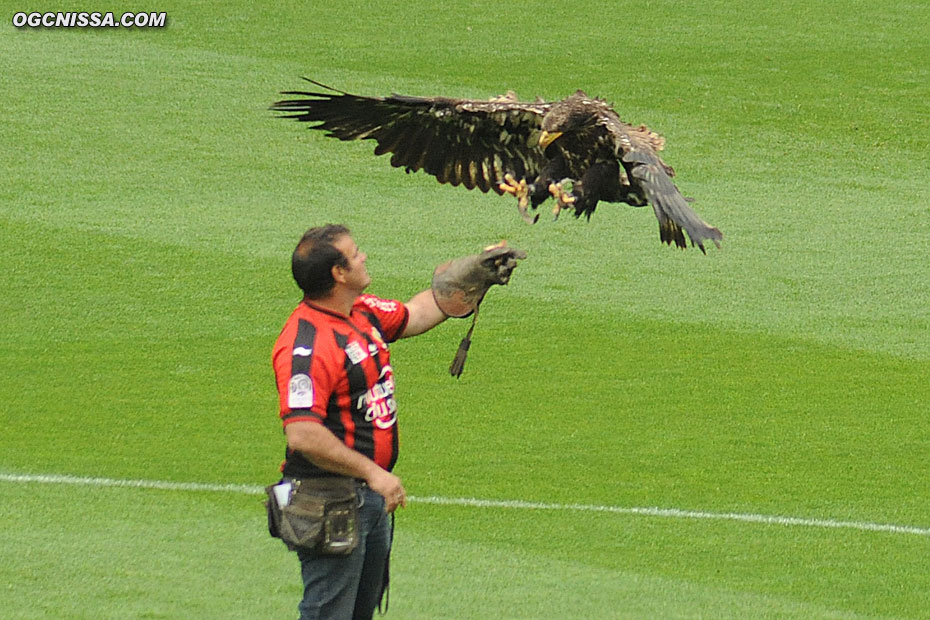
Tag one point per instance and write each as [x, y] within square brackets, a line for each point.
[349, 587]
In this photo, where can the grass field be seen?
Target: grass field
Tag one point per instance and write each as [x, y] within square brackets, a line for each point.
[647, 433]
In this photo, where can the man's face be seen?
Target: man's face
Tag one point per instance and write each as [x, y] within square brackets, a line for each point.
[356, 273]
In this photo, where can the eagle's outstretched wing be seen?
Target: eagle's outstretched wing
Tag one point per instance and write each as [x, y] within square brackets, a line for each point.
[459, 141]
[637, 150]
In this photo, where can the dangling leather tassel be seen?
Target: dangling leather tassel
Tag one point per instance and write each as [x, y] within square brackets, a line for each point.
[458, 363]
[384, 601]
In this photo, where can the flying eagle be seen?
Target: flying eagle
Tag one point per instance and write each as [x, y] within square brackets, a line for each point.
[576, 150]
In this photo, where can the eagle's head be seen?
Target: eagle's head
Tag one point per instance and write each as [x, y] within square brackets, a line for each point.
[575, 113]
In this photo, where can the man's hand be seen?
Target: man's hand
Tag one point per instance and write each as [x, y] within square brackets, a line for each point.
[389, 487]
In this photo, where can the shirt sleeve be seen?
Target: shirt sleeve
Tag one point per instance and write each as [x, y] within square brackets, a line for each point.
[392, 315]
[304, 382]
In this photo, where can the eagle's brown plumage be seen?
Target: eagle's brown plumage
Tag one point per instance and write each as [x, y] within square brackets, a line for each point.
[530, 149]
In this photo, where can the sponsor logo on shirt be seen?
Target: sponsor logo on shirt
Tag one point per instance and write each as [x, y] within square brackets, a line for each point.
[378, 402]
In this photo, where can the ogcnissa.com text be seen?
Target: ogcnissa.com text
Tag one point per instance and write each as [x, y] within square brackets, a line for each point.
[88, 19]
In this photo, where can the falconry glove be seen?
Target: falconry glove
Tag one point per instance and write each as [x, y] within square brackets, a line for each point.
[459, 287]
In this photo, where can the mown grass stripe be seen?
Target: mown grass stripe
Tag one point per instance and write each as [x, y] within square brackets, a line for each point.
[672, 513]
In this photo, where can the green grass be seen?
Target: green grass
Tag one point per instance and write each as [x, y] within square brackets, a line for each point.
[150, 203]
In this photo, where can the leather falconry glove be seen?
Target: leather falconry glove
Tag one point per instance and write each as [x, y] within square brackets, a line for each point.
[459, 287]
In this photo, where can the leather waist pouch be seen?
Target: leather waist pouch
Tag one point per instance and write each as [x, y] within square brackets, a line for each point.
[317, 514]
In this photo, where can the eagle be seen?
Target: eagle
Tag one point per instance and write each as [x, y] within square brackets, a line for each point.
[576, 151]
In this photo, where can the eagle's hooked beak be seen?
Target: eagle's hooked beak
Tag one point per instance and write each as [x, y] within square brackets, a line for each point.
[546, 138]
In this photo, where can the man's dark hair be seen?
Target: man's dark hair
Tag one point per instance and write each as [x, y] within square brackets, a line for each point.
[314, 258]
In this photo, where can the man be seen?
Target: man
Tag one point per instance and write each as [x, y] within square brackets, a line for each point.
[336, 393]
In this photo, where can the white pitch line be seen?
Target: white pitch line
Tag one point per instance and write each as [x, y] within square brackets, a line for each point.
[677, 513]
[672, 513]
[136, 484]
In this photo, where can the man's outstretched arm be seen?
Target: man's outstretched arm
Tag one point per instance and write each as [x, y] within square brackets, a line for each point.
[424, 314]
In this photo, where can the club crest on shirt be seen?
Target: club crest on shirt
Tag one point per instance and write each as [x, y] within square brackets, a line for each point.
[376, 336]
[300, 392]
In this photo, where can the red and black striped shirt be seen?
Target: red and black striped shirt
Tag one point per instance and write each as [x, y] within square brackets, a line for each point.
[336, 370]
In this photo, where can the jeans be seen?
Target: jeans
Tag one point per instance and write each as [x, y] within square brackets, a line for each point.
[349, 587]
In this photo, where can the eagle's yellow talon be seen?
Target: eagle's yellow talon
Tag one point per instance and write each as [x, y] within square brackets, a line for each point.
[511, 186]
[521, 190]
[563, 199]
